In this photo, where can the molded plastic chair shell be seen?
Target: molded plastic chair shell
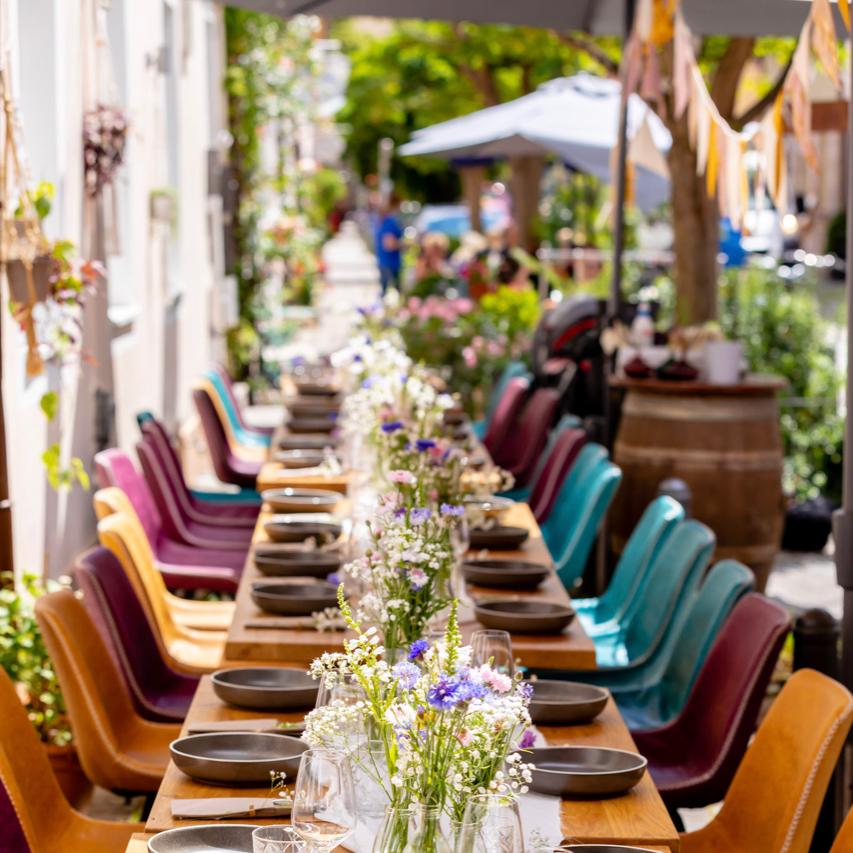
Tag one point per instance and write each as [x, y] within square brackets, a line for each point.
[245, 452]
[643, 545]
[159, 693]
[505, 416]
[844, 840]
[118, 749]
[694, 758]
[774, 799]
[35, 817]
[515, 369]
[529, 434]
[242, 432]
[558, 463]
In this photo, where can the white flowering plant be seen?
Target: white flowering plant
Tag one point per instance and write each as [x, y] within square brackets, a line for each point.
[448, 729]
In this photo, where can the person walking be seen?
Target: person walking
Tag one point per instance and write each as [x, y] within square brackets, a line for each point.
[389, 235]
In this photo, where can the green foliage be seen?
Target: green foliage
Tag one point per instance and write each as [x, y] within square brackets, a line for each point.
[60, 477]
[24, 657]
[38, 199]
[320, 191]
[783, 333]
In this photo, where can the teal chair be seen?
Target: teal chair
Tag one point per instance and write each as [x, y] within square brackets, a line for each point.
[671, 583]
[522, 493]
[599, 615]
[571, 528]
[511, 371]
[684, 651]
[246, 437]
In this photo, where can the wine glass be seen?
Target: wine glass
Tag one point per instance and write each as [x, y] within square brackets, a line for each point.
[494, 648]
[323, 812]
[275, 839]
[491, 824]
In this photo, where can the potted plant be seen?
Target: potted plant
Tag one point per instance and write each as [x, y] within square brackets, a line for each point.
[27, 249]
[23, 655]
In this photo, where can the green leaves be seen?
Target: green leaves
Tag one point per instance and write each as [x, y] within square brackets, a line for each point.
[49, 404]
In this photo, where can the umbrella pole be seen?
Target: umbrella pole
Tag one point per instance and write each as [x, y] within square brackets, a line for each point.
[843, 521]
[621, 179]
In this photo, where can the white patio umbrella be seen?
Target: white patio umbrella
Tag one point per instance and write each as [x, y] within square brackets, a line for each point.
[574, 118]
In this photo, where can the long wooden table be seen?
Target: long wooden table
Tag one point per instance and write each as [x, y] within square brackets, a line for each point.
[638, 817]
[572, 649]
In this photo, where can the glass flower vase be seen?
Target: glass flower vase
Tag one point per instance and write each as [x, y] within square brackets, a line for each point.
[412, 830]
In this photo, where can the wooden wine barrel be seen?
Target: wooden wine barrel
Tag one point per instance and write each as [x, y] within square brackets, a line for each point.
[724, 442]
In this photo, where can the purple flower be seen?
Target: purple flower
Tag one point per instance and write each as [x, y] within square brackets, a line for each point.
[392, 426]
[452, 509]
[406, 674]
[472, 690]
[528, 739]
[366, 383]
[334, 578]
[418, 649]
[420, 514]
[424, 444]
[445, 694]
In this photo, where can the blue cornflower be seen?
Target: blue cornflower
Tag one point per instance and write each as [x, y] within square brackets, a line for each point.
[392, 426]
[445, 694]
[423, 444]
[420, 514]
[366, 383]
[418, 649]
[469, 690]
[406, 674]
[334, 578]
[452, 509]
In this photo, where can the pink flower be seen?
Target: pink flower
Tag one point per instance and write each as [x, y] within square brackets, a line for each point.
[464, 737]
[470, 357]
[404, 478]
[497, 681]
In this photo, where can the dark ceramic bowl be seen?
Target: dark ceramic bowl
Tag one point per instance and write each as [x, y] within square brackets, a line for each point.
[301, 500]
[237, 758]
[293, 599]
[284, 528]
[498, 538]
[316, 388]
[311, 425]
[313, 407]
[564, 703]
[584, 771]
[299, 458]
[307, 442]
[524, 617]
[275, 562]
[505, 574]
[208, 838]
[265, 688]
[491, 506]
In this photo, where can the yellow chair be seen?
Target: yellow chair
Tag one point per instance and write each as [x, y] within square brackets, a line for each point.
[247, 454]
[774, 799]
[48, 822]
[844, 839]
[199, 615]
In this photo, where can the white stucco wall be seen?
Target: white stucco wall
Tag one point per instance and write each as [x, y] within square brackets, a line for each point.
[176, 109]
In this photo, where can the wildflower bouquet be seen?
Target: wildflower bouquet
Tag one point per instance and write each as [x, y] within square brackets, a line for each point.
[448, 729]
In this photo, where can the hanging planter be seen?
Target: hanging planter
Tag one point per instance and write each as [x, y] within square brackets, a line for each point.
[30, 281]
[104, 141]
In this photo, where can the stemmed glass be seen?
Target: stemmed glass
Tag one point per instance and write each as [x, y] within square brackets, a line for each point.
[460, 539]
[276, 839]
[323, 812]
[491, 824]
[494, 648]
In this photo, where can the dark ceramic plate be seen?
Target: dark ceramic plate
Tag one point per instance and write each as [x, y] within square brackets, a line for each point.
[315, 388]
[498, 538]
[524, 617]
[584, 771]
[288, 529]
[490, 506]
[563, 703]
[209, 838]
[604, 848]
[299, 458]
[505, 574]
[302, 425]
[265, 688]
[294, 599]
[274, 562]
[455, 417]
[306, 442]
[313, 407]
[237, 758]
[301, 500]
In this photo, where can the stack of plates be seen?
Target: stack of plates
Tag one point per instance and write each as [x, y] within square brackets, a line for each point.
[265, 688]
[301, 500]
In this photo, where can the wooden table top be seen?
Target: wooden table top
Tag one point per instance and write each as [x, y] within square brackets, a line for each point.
[572, 649]
[639, 817]
[273, 475]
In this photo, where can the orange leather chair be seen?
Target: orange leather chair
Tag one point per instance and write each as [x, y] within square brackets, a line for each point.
[46, 819]
[844, 839]
[118, 749]
[776, 794]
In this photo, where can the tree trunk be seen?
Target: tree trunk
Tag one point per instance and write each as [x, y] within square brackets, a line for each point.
[526, 183]
[472, 178]
[696, 227]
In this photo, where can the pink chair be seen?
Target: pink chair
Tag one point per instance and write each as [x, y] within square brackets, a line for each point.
[505, 416]
[544, 493]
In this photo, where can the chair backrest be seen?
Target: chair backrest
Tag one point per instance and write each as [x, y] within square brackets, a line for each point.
[32, 805]
[528, 437]
[95, 694]
[155, 434]
[513, 370]
[505, 416]
[596, 493]
[217, 441]
[115, 468]
[844, 840]
[645, 542]
[557, 464]
[113, 604]
[229, 408]
[169, 496]
[774, 799]
[672, 580]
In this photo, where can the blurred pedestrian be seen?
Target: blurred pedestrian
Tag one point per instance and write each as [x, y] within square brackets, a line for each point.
[389, 236]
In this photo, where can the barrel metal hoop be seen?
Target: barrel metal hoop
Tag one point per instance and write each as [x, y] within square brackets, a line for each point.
[700, 410]
[689, 459]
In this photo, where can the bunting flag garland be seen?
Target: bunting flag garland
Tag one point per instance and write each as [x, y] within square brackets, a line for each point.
[721, 151]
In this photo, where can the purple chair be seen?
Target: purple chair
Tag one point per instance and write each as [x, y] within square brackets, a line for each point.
[225, 513]
[114, 468]
[12, 839]
[529, 434]
[544, 493]
[177, 524]
[159, 693]
[505, 416]
[693, 759]
[228, 467]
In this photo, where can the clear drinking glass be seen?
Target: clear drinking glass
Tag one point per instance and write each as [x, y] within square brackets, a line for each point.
[495, 648]
[492, 824]
[323, 812]
[276, 839]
